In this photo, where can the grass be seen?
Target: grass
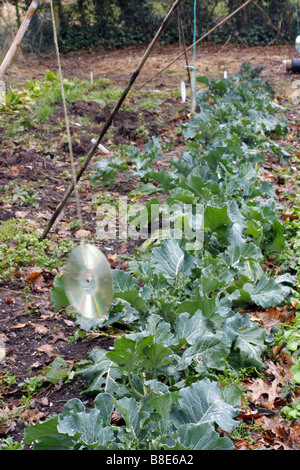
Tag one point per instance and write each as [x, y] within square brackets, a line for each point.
[105, 96]
[37, 101]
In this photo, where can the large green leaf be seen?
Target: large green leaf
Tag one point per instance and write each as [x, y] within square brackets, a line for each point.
[133, 416]
[202, 403]
[160, 330]
[200, 187]
[72, 429]
[251, 346]
[103, 402]
[88, 425]
[189, 326]
[58, 370]
[123, 281]
[209, 351]
[266, 293]
[243, 251]
[132, 297]
[58, 294]
[161, 398]
[102, 375]
[157, 357]
[170, 260]
[199, 437]
[129, 354]
[45, 436]
[216, 217]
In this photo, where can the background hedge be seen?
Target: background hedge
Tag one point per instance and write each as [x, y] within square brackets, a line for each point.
[117, 23]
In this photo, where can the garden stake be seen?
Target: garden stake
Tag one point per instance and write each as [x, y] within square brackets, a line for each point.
[197, 42]
[111, 118]
[79, 215]
[18, 38]
[182, 40]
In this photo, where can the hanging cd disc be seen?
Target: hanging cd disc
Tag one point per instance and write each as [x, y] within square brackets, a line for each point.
[183, 91]
[88, 281]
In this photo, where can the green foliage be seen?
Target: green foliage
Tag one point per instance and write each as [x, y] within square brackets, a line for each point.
[118, 23]
[9, 444]
[130, 161]
[291, 411]
[58, 294]
[38, 100]
[58, 370]
[181, 299]
[156, 352]
[20, 194]
[31, 385]
[289, 336]
[149, 423]
[257, 27]
[20, 247]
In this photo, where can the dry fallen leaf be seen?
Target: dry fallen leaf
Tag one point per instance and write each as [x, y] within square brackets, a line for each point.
[33, 415]
[36, 272]
[19, 325]
[3, 337]
[47, 349]
[14, 170]
[58, 337]
[21, 214]
[30, 272]
[39, 284]
[10, 427]
[42, 401]
[40, 329]
[82, 233]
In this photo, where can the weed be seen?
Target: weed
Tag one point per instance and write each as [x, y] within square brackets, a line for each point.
[101, 199]
[43, 112]
[291, 411]
[32, 385]
[37, 101]
[150, 103]
[10, 444]
[244, 432]
[105, 96]
[8, 379]
[22, 195]
[74, 224]
[20, 246]
[141, 131]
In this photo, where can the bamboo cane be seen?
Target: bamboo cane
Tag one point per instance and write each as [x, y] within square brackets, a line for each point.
[111, 118]
[197, 42]
[18, 38]
[182, 36]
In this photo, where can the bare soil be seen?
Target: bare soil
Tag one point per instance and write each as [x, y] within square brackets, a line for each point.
[32, 332]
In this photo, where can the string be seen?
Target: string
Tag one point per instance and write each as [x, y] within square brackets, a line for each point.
[195, 32]
[297, 14]
[74, 176]
[193, 67]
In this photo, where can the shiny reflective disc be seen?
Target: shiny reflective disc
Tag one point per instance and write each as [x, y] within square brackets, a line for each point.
[183, 91]
[89, 282]
[297, 43]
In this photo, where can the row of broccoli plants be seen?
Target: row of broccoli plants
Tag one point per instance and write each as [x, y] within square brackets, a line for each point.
[180, 301]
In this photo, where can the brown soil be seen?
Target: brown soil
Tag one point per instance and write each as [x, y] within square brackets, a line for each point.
[32, 332]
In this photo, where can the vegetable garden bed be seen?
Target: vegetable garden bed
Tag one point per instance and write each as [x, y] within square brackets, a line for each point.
[186, 351]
